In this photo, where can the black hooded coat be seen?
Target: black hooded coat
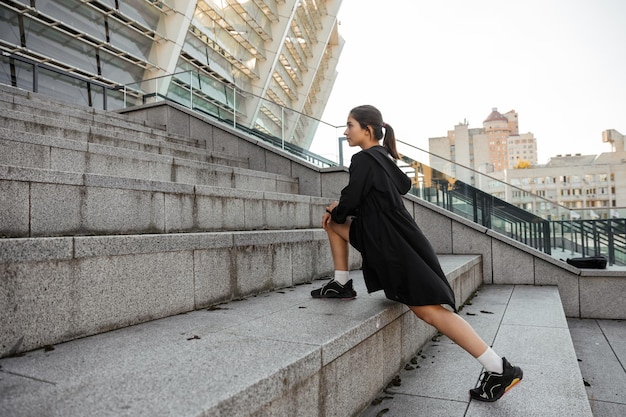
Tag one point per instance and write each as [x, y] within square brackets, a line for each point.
[397, 257]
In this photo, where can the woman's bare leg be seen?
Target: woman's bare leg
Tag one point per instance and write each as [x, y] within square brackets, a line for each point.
[338, 247]
[453, 326]
[340, 286]
[338, 237]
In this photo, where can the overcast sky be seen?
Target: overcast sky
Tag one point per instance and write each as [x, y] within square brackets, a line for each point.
[430, 64]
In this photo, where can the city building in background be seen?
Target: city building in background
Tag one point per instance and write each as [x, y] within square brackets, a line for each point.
[250, 58]
[592, 186]
[588, 186]
[496, 146]
[500, 161]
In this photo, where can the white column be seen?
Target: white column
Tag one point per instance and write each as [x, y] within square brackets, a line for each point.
[173, 27]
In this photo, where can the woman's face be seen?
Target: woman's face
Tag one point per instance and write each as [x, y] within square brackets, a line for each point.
[356, 135]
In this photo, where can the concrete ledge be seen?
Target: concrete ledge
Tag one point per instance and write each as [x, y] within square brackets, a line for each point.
[507, 261]
[280, 354]
[58, 289]
[53, 203]
[602, 296]
[261, 155]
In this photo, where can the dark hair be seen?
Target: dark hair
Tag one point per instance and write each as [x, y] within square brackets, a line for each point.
[368, 115]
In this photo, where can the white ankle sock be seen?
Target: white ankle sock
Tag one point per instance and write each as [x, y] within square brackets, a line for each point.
[342, 277]
[491, 361]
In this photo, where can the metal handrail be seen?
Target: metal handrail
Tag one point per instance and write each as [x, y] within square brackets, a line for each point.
[481, 207]
[37, 65]
[482, 174]
[587, 237]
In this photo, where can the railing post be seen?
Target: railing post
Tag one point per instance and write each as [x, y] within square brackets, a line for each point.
[234, 106]
[282, 126]
[582, 238]
[340, 141]
[594, 230]
[611, 244]
[572, 233]
[546, 238]
[190, 89]
[475, 208]
[35, 78]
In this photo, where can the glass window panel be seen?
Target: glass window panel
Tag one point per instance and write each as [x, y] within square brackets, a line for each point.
[9, 29]
[123, 72]
[59, 46]
[194, 47]
[129, 40]
[197, 49]
[76, 15]
[207, 107]
[142, 13]
[241, 28]
[110, 3]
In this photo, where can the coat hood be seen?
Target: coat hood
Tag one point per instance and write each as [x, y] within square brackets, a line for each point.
[399, 179]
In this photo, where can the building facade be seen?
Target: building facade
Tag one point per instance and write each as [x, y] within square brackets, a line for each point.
[496, 146]
[591, 186]
[251, 58]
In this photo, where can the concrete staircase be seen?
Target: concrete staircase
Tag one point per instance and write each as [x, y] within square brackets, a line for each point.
[275, 354]
[157, 263]
[524, 323]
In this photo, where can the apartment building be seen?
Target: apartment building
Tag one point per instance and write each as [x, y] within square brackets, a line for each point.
[592, 186]
[494, 147]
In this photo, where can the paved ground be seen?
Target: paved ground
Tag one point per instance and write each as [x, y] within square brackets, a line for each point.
[601, 350]
[599, 346]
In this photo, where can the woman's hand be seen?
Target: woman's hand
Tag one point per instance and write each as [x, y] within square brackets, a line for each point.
[326, 218]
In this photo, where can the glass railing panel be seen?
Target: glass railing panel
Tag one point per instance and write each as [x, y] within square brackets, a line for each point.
[464, 191]
[304, 136]
[515, 196]
[70, 89]
[15, 73]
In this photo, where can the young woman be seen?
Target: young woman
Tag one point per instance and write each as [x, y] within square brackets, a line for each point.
[397, 257]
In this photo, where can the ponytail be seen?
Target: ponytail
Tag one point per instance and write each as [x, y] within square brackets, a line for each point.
[389, 141]
[370, 116]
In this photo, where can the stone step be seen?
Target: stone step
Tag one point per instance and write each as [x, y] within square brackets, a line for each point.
[38, 151]
[282, 354]
[34, 116]
[527, 325]
[39, 202]
[37, 105]
[15, 122]
[62, 288]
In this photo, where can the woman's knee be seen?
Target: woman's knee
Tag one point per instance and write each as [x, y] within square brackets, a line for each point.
[338, 230]
[428, 314]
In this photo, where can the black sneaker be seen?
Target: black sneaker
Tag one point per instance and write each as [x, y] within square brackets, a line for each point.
[493, 386]
[333, 289]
